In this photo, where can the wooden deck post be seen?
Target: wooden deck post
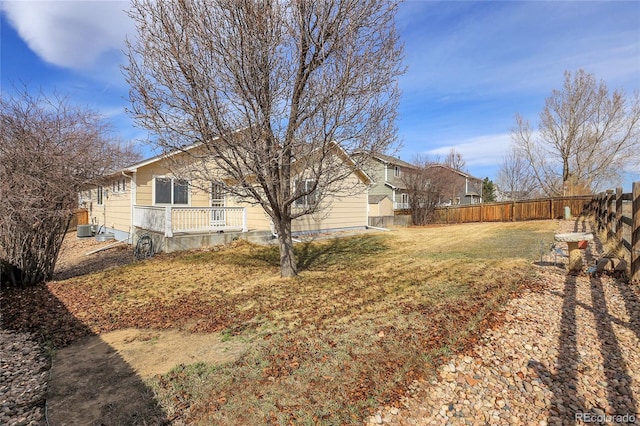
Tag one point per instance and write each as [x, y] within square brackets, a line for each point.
[635, 233]
[168, 230]
[244, 220]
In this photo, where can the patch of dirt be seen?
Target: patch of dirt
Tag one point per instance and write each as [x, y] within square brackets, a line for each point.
[99, 379]
[151, 352]
[73, 259]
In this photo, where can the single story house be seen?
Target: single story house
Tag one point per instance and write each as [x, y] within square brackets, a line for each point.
[147, 198]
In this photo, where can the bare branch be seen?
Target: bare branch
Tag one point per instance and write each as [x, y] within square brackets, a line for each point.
[49, 150]
[586, 137]
[305, 81]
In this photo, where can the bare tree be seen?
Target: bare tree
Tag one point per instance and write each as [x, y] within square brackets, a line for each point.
[454, 160]
[424, 186]
[49, 149]
[586, 136]
[306, 81]
[515, 176]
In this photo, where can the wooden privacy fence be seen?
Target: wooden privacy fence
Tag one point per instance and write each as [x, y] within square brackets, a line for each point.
[512, 211]
[618, 214]
[80, 217]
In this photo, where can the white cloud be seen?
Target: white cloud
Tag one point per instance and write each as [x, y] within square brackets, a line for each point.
[478, 151]
[71, 34]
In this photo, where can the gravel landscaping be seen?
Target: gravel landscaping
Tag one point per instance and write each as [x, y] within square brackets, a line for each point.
[23, 380]
[566, 353]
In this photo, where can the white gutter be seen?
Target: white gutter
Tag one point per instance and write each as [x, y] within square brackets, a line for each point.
[132, 183]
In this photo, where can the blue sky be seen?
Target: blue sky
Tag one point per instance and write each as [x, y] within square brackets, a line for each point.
[471, 65]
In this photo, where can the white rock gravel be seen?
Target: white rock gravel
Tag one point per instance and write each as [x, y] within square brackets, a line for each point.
[23, 380]
[566, 354]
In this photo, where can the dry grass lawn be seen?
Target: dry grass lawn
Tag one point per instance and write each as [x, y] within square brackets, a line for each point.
[366, 316]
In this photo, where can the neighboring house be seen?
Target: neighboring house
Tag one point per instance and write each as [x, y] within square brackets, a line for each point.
[387, 173]
[179, 214]
[459, 188]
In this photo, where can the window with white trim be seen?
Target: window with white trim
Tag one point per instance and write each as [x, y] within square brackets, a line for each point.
[301, 186]
[171, 191]
[396, 171]
[405, 199]
[100, 195]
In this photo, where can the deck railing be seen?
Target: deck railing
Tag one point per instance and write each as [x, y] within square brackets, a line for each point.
[400, 206]
[171, 219]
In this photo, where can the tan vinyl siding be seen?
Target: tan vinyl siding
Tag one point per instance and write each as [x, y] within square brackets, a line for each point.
[258, 219]
[198, 191]
[382, 208]
[117, 208]
[386, 207]
[144, 182]
[344, 210]
[199, 194]
[115, 211]
[374, 209]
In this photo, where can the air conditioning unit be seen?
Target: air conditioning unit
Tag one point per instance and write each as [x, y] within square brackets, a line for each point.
[84, 231]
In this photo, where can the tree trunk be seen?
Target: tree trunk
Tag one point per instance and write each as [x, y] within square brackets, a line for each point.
[288, 267]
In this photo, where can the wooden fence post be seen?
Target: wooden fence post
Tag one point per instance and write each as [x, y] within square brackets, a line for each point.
[635, 233]
[619, 214]
[609, 216]
[600, 212]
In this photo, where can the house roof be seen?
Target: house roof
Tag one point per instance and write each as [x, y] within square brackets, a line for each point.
[460, 172]
[393, 160]
[362, 175]
[375, 199]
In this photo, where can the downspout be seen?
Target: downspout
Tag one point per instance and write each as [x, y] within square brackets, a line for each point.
[132, 185]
